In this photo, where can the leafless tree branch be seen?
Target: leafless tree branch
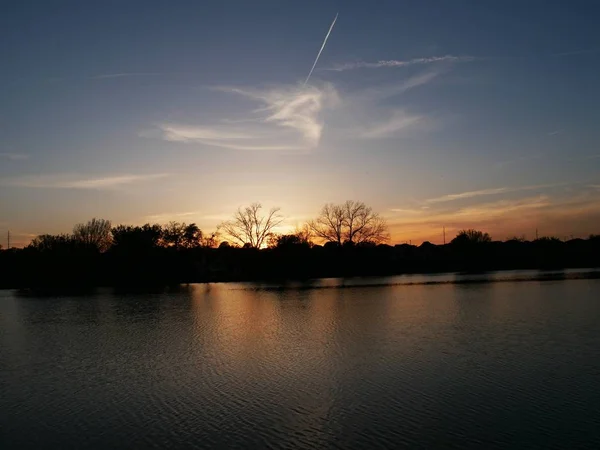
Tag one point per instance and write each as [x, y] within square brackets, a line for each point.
[352, 222]
[249, 227]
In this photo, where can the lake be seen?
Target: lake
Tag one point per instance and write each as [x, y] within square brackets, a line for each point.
[400, 362]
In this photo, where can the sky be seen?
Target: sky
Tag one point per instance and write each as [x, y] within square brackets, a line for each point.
[463, 114]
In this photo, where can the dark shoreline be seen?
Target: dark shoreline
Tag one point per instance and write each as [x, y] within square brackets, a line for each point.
[343, 283]
[157, 266]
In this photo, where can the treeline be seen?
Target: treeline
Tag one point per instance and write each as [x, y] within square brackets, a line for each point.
[247, 248]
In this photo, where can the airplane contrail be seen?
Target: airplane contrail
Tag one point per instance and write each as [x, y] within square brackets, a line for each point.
[321, 51]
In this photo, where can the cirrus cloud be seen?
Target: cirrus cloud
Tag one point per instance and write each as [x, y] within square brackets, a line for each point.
[284, 118]
[74, 181]
[492, 191]
[14, 156]
[399, 121]
[399, 63]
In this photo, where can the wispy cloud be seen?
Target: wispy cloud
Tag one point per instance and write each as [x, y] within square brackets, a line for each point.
[399, 121]
[296, 108]
[468, 194]
[366, 113]
[502, 207]
[14, 156]
[493, 191]
[556, 214]
[286, 118]
[591, 157]
[382, 92]
[183, 133]
[503, 164]
[71, 181]
[167, 217]
[578, 52]
[428, 224]
[202, 219]
[413, 211]
[125, 74]
[555, 132]
[291, 118]
[399, 63]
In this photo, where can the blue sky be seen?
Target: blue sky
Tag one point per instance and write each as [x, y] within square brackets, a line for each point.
[437, 113]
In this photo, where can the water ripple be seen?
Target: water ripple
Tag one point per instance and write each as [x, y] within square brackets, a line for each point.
[498, 366]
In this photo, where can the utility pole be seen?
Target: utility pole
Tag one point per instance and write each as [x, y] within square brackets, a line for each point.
[444, 235]
[536, 234]
[8, 241]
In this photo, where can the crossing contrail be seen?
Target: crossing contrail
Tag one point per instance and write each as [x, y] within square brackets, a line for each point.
[321, 51]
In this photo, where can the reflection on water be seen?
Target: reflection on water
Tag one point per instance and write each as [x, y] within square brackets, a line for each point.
[402, 364]
[443, 278]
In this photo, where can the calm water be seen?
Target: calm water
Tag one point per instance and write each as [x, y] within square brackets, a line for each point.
[498, 365]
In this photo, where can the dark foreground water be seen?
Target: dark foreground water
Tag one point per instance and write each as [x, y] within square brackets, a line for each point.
[512, 365]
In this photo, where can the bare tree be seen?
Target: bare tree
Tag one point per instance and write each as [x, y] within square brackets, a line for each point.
[352, 222]
[250, 228]
[330, 223]
[363, 225]
[304, 233]
[471, 237]
[95, 233]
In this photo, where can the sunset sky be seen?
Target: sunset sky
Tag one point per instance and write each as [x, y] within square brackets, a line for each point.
[478, 114]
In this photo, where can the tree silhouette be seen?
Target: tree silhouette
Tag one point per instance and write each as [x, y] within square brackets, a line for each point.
[49, 242]
[351, 222]
[249, 228]
[284, 241]
[172, 234]
[210, 240]
[138, 256]
[136, 239]
[305, 234]
[330, 223]
[301, 236]
[181, 235]
[192, 236]
[95, 234]
[547, 239]
[471, 236]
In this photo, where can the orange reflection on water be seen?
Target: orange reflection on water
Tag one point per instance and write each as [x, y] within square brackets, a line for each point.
[238, 325]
